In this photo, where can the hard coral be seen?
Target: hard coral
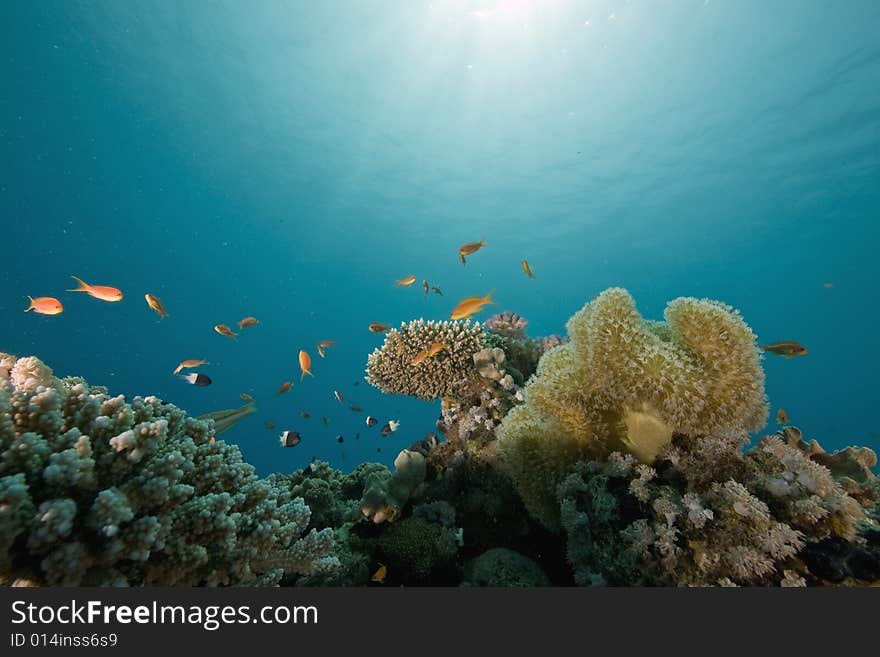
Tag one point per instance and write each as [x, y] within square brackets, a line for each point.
[625, 384]
[97, 490]
[390, 367]
[508, 324]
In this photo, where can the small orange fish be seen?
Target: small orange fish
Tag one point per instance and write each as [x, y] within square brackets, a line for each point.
[102, 292]
[305, 364]
[188, 364]
[247, 398]
[155, 303]
[45, 306]
[213, 440]
[405, 282]
[781, 416]
[222, 329]
[436, 348]
[471, 305]
[828, 286]
[305, 415]
[284, 387]
[270, 424]
[469, 248]
[379, 575]
[379, 327]
[247, 322]
[787, 348]
[527, 269]
[339, 396]
[419, 358]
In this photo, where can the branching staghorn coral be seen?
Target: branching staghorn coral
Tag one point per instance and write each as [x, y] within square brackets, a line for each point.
[390, 367]
[626, 384]
[95, 490]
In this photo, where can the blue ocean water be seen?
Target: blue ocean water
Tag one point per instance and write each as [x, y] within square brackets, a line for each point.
[290, 160]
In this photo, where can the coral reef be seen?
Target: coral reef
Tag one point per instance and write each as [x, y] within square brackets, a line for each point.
[507, 324]
[503, 567]
[390, 367]
[414, 548]
[385, 494]
[625, 384]
[96, 490]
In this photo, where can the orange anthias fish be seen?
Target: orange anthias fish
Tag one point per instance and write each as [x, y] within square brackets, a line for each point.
[379, 327]
[471, 305]
[527, 269]
[781, 416]
[102, 292]
[247, 322]
[45, 306]
[246, 397]
[155, 303]
[436, 348]
[787, 348]
[187, 364]
[305, 364]
[469, 248]
[222, 329]
[405, 282]
[379, 575]
[284, 387]
[419, 358]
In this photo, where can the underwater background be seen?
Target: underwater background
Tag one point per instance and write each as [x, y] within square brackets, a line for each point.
[291, 160]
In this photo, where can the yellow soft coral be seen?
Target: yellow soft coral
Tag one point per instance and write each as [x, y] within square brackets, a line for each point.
[627, 384]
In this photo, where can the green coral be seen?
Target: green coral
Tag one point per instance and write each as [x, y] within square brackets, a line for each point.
[99, 490]
[504, 567]
[414, 548]
[626, 384]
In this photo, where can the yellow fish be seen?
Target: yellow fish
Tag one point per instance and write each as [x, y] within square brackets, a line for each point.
[471, 305]
[379, 575]
[527, 269]
[405, 282]
[469, 248]
[156, 304]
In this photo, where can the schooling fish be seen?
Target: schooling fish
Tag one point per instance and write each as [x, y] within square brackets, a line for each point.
[246, 397]
[284, 387]
[356, 408]
[781, 416]
[224, 330]
[436, 290]
[469, 248]
[102, 292]
[471, 305]
[339, 396]
[187, 364]
[371, 421]
[270, 424]
[155, 303]
[527, 269]
[305, 415]
[419, 358]
[340, 439]
[405, 282]
[325, 420]
[390, 427]
[425, 287]
[305, 364]
[289, 439]
[322, 345]
[247, 322]
[379, 327]
[787, 348]
[196, 379]
[45, 306]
